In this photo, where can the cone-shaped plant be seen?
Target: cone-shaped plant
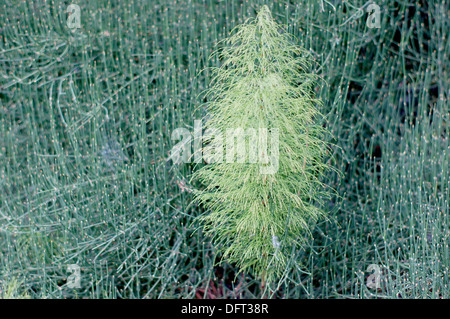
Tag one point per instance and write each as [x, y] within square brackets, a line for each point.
[258, 208]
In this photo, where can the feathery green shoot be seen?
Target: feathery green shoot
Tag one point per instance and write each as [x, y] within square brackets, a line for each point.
[255, 217]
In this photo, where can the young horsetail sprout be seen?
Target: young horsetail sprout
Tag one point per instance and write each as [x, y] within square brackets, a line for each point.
[261, 200]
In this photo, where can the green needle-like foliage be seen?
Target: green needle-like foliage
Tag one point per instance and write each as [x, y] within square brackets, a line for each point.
[256, 217]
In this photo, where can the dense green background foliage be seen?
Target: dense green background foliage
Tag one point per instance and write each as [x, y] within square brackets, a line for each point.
[85, 126]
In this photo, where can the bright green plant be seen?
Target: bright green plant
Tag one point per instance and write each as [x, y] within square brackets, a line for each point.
[256, 215]
[12, 290]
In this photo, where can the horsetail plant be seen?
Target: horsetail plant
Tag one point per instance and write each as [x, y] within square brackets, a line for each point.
[258, 208]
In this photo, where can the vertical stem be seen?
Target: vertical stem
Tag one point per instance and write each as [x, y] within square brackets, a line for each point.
[263, 284]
